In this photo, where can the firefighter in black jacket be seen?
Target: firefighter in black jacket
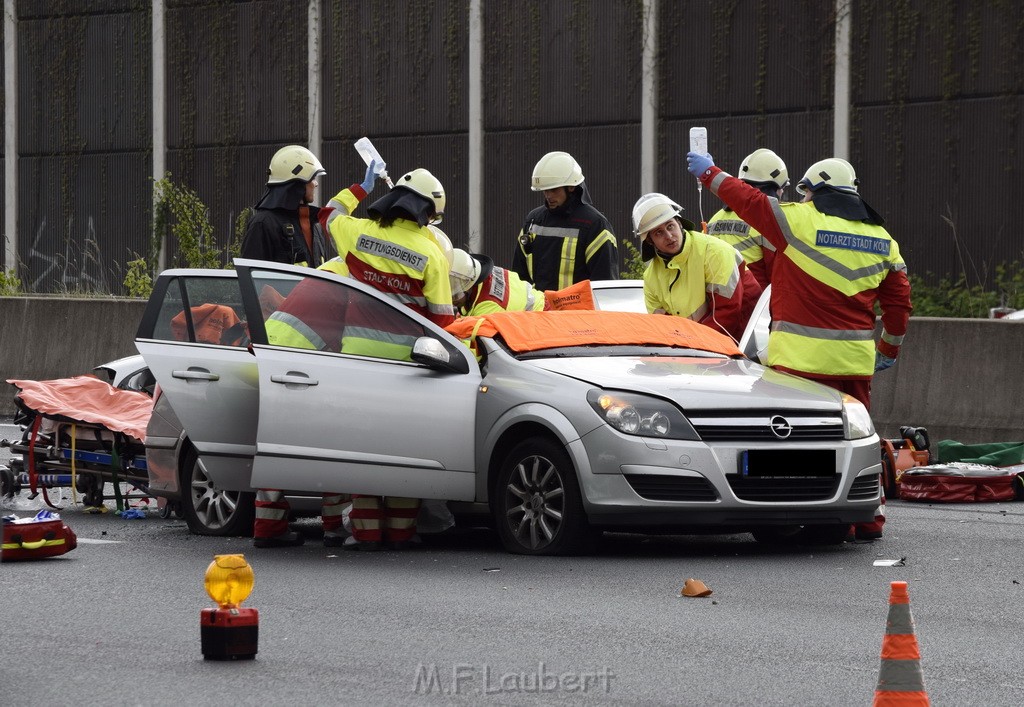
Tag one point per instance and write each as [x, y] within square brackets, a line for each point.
[284, 227]
[566, 240]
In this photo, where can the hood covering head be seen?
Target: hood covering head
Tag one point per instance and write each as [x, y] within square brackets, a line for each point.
[402, 203]
[579, 195]
[842, 204]
[288, 196]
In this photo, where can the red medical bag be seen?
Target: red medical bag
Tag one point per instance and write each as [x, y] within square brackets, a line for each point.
[44, 535]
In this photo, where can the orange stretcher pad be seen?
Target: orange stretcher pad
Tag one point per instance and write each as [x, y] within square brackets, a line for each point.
[87, 399]
[534, 331]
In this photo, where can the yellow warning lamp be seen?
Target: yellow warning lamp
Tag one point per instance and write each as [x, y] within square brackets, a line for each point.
[229, 632]
[229, 580]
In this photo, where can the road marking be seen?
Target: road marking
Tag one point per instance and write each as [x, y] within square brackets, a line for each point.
[94, 541]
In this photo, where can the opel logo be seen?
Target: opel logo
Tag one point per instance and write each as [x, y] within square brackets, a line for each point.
[781, 427]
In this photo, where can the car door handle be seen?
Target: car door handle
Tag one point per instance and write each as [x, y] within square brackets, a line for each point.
[294, 378]
[195, 375]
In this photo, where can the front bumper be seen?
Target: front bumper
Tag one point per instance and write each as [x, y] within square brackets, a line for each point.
[629, 481]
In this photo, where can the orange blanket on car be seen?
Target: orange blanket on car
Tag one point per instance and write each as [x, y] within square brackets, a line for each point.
[532, 331]
[87, 399]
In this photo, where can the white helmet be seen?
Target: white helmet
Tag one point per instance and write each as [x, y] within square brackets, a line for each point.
[294, 162]
[422, 182]
[556, 169]
[443, 242]
[762, 166]
[465, 270]
[652, 210]
[833, 172]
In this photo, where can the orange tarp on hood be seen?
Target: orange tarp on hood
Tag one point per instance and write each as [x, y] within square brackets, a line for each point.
[532, 331]
[88, 399]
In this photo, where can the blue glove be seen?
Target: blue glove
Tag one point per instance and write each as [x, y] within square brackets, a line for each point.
[698, 163]
[371, 177]
[882, 361]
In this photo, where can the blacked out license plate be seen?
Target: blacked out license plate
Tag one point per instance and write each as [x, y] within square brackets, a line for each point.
[787, 463]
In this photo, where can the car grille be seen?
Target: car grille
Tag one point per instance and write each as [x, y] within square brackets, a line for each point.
[864, 487]
[672, 488]
[762, 425]
[777, 490]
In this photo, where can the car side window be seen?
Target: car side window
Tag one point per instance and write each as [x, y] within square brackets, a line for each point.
[203, 310]
[324, 315]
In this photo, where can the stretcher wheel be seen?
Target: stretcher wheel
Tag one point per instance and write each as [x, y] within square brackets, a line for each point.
[171, 508]
[93, 497]
[8, 486]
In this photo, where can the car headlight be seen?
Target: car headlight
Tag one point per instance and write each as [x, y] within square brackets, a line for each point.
[857, 422]
[641, 415]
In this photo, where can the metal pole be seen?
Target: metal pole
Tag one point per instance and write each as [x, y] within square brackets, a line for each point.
[476, 128]
[10, 135]
[315, 82]
[649, 99]
[159, 116]
[841, 118]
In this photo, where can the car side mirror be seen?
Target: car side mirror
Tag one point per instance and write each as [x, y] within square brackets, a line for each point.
[434, 354]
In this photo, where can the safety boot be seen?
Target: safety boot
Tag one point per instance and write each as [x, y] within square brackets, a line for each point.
[289, 539]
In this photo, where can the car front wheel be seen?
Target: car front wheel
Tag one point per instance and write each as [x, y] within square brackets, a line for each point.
[536, 503]
[209, 510]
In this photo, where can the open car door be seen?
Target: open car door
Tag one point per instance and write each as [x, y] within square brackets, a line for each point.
[194, 339]
[343, 405]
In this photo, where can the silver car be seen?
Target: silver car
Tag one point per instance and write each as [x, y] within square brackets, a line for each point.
[632, 422]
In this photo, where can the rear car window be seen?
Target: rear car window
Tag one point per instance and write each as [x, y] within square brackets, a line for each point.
[204, 310]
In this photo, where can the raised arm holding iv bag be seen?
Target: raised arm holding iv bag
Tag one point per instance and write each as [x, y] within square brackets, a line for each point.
[369, 154]
[699, 143]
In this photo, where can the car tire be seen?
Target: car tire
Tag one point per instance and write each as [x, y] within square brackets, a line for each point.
[536, 501]
[207, 509]
[802, 535]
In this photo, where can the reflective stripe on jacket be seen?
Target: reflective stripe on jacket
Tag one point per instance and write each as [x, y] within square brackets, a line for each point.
[312, 316]
[705, 272]
[560, 247]
[402, 260]
[827, 276]
[757, 253]
[504, 291]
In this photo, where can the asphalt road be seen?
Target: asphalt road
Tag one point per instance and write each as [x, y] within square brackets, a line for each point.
[116, 621]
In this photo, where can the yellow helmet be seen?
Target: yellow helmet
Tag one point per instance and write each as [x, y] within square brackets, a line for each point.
[465, 270]
[422, 182]
[762, 166]
[556, 169]
[832, 172]
[443, 242]
[292, 163]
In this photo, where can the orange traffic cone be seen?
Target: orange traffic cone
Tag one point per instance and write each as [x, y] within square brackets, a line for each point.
[900, 680]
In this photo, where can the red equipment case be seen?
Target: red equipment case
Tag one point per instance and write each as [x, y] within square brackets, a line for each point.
[44, 535]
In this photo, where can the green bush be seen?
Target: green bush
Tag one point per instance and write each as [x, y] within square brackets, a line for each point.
[10, 283]
[138, 282]
[957, 298]
[179, 210]
[634, 264]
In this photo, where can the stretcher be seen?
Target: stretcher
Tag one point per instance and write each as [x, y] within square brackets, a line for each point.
[81, 434]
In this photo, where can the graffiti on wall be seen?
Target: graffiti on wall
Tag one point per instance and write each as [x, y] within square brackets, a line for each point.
[77, 269]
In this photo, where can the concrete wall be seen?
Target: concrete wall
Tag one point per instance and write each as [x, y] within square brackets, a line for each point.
[58, 337]
[961, 378]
